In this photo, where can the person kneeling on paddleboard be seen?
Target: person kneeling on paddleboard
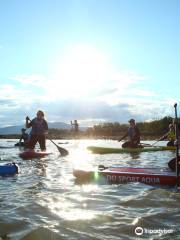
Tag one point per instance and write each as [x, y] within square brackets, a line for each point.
[39, 131]
[134, 136]
[24, 137]
[169, 135]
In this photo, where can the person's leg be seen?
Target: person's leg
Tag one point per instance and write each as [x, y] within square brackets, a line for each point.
[129, 144]
[134, 145]
[32, 141]
[126, 144]
[42, 142]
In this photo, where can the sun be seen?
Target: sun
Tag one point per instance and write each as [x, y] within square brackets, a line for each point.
[80, 72]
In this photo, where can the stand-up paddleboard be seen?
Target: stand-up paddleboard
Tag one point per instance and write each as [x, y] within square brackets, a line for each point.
[8, 169]
[5, 147]
[33, 154]
[151, 176]
[107, 150]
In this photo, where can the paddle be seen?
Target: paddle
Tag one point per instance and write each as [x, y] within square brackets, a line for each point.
[62, 151]
[177, 145]
[146, 145]
[174, 163]
[119, 140]
[156, 142]
[149, 145]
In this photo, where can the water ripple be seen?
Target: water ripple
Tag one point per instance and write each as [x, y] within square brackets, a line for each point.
[43, 201]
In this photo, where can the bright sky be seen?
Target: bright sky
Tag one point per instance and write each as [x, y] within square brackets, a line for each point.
[91, 60]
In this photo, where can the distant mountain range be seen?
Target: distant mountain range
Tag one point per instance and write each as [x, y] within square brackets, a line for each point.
[17, 129]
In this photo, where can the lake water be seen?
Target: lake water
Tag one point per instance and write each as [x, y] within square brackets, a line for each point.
[43, 201]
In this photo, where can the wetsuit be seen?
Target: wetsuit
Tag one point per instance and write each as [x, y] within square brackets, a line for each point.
[170, 136]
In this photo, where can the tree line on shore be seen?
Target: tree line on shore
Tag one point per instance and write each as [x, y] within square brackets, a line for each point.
[111, 130]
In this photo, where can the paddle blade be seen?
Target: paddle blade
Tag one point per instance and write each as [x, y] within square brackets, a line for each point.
[172, 163]
[63, 151]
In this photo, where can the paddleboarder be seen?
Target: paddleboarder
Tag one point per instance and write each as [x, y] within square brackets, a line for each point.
[170, 135]
[134, 136]
[75, 127]
[39, 130]
[24, 137]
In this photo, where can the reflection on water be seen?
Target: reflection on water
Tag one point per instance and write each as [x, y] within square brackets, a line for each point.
[43, 201]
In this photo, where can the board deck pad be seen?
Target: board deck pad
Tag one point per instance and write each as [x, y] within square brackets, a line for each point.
[33, 154]
[108, 150]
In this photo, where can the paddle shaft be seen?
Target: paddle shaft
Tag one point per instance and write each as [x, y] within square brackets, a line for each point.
[177, 146]
[155, 142]
[147, 145]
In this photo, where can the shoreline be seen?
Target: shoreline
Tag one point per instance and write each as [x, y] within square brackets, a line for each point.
[143, 138]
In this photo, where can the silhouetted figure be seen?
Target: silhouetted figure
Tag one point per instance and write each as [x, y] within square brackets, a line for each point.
[75, 127]
[134, 136]
[170, 135]
[23, 141]
[39, 131]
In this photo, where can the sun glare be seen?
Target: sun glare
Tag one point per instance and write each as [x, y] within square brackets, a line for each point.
[81, 71]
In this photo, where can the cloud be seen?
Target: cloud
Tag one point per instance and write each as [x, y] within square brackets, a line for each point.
[84, 85]
[6, 102]
[32, 79]
[111, 105]
[87, 111]
[83, 72]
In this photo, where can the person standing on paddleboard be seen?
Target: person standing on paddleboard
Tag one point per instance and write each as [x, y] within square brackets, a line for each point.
[169, 135]
[134, 136]
[75, 128]
[39, 130]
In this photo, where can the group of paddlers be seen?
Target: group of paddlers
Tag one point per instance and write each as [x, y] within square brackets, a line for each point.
[39, 131]
[134, 136]
[134, 139]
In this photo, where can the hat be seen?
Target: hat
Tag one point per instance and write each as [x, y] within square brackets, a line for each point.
[131, 120]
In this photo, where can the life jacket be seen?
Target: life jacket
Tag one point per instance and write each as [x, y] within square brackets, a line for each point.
[171, 135]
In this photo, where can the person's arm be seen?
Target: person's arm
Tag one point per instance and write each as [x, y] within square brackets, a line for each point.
[125, 135]
[28, 124]
[163, 137]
